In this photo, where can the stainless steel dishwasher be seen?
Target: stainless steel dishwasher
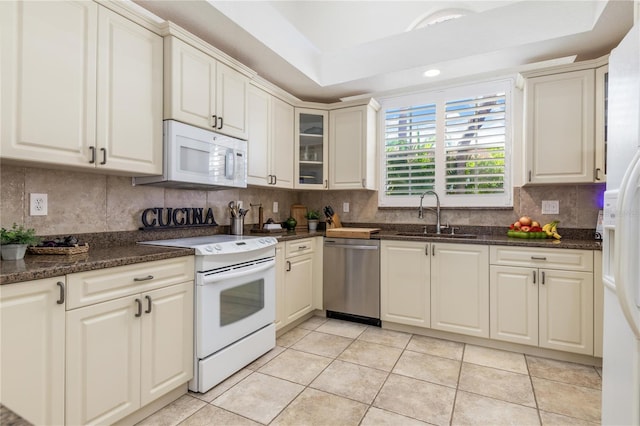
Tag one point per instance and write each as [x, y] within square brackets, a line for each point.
[351, 278]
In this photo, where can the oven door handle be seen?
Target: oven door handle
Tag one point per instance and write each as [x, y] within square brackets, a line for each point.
[205, 278]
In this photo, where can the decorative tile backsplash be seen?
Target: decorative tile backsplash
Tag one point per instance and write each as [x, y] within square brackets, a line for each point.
[89, 202]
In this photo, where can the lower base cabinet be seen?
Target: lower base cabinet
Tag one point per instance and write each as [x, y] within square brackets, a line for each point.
[443, 286]
[405, 282]
[543, 306]
[32, 345]
[460, 288]
[125, 352]
[298, 279]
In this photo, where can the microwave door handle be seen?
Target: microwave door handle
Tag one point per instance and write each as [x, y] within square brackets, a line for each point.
[229, 164]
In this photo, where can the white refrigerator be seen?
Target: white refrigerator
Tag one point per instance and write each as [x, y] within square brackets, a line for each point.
[621, 239]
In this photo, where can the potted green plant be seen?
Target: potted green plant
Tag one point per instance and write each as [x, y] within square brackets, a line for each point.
[313, 217]
[14, 241]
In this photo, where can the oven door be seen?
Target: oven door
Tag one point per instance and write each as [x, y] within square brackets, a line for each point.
[232, 303]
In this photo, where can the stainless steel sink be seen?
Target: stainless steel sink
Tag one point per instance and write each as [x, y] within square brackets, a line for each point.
[434, 235]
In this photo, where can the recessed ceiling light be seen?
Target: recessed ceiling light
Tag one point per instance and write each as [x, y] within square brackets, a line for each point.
[431, 73]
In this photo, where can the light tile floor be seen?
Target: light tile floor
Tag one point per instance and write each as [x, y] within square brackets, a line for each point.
[331, 372]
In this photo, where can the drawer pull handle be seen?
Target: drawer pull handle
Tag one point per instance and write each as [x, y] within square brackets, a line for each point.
[60, 301]
[147, 278]
[139, 304]
[538, 258]
[542, 277]
[426, 250]
[433, 250]
[104, 156]
[93, 154]
[288, 266]
[148, 311]
[534, 277]
[303, 248]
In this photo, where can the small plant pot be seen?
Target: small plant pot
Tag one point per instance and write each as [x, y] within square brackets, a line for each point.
[313, 225]
[13, 251]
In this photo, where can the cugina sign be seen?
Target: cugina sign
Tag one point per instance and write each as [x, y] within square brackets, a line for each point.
[182, 216]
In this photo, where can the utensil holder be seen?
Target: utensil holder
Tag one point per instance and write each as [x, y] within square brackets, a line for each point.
[237, 225]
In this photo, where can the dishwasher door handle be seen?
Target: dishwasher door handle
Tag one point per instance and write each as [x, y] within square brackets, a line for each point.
[354, 247]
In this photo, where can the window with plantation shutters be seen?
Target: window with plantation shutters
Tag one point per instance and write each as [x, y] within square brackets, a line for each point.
[456, 142]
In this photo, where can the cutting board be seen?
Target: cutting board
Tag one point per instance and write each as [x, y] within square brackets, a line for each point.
[362, 233]
[299, 213]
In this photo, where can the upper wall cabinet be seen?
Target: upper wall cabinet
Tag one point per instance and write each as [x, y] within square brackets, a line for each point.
[352, 147]
[81, 87]
[559, 131]
[602, 109]
[270, 149]
[203, 91]
[565, 123]
[311, 150]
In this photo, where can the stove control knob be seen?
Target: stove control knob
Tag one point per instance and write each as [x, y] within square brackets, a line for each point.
[261, 240]
[218, 247]
[208, 249]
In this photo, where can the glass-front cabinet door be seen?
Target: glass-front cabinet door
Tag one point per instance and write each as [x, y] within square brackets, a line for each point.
[311, 152]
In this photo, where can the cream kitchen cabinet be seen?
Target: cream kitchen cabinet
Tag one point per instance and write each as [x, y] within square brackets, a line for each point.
[82, 88]
[601, 122]
[460, 288]
[352, 147]
[311, 151]
[559, 130]
[129, 338]
[32, 350]
[203, 91]
[298, 279]
[405, 282]
[271, 140]
[280, 276]
[542, 297]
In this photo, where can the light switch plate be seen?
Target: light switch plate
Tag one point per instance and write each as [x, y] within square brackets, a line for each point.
[345, 207]
[275, 207]
[550, 207]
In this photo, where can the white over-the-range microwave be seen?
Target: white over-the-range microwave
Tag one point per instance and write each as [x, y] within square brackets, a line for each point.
[196, 158]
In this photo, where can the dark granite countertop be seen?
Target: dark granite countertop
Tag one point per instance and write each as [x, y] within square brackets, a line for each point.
[9, 418]
[34, 267]
[119, 248]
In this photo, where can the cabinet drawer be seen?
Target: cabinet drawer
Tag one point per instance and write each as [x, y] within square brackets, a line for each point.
[88, 288]
[299, 247]
[567, 259]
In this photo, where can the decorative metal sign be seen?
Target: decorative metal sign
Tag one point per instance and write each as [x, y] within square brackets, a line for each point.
[177, 217]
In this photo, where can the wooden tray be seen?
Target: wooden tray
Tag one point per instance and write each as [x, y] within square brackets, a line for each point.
[361, 233]
[77, 249]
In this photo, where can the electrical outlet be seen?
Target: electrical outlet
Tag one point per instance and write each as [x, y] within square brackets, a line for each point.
[275, 207]
[345, 207]
[38, 205]
[550, 207]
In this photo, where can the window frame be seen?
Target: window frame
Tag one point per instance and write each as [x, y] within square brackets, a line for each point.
[440, 97]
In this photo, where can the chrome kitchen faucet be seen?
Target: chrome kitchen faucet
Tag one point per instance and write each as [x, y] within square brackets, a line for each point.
[421, 209]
